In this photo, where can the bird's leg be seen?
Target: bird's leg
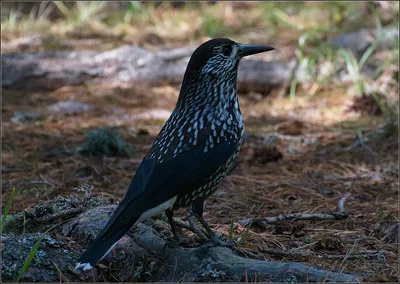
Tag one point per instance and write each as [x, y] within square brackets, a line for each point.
[169, 214]
[178, 239]
[210, 233]
[216, 240]
[191, 216]
[197, 211]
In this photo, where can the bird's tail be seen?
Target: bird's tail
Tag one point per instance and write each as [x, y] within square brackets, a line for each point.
[97, 250]
[105, 242]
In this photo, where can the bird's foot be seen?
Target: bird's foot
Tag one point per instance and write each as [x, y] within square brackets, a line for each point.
[179, 241]
[220, 241]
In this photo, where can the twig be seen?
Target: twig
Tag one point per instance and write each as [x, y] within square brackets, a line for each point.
[361, 141]
[283, 253]
[348, 254]
[62, 276]
[361, 255]
[263, 222]
[341, 203]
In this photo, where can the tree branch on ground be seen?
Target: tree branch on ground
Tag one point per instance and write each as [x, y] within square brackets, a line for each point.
[263, 222]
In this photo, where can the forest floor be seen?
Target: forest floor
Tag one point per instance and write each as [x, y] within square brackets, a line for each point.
[300, 154]
[314, 161]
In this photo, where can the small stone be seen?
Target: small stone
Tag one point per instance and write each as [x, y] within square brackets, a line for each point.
[133, 131]
[20, 117]
[162, 114]
[69, 107]
[143, 132]
[326, 192]
[309, 141]
[292, 149]
[255, 96]
[270, 140]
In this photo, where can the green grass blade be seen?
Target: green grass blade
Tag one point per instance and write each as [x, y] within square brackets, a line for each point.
[353, 69]
[282, 16]
[230, 237]
[63, 8]
[378, 22]
[378, 71]
[241, 241]
[29, 259]
[350, 64]
[366, 55]
[35, 247]
[7, 209]
[293, 89]
[380, 104]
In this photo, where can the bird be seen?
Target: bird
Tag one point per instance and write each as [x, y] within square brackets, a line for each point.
[193, 152]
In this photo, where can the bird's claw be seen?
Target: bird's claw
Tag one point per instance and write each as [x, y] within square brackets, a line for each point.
[222, 241]
[218, 241]
[180, 241]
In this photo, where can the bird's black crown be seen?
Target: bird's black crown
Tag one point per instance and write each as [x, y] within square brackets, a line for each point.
[219, 56]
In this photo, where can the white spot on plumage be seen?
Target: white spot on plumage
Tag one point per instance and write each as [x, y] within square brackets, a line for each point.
[169, 204]
[84, 266]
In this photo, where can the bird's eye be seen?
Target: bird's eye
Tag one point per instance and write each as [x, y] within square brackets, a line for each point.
[226, 50]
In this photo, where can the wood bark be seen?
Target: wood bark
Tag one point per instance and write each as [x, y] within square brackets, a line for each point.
[146, 253]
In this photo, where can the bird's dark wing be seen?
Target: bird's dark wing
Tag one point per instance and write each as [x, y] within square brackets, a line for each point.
[155, 183]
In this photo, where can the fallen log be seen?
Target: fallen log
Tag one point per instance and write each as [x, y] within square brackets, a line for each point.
[54, 69]
[144, 254]
[361, 40]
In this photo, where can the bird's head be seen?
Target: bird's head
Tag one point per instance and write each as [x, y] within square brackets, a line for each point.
[220, 57]
[213, 63]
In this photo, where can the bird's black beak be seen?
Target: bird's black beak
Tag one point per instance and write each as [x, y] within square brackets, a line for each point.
[249, 49]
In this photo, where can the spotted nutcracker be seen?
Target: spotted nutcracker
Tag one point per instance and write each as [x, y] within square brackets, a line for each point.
[194, 150]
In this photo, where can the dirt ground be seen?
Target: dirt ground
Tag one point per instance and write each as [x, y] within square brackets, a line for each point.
[299, 155]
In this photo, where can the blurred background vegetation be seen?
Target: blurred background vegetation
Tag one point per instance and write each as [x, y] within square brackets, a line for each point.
[313, 32]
